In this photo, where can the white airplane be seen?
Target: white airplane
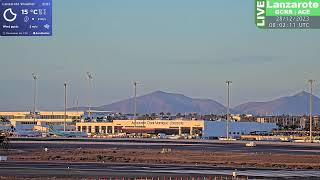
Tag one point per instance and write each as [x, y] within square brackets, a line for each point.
[56, 132]
[25, 133]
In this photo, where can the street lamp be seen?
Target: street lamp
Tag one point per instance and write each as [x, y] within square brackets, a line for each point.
[35, 78]
[228, 106]
[311, 94]
[90, 77]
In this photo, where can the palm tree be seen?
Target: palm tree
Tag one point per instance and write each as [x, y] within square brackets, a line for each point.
[153, 115]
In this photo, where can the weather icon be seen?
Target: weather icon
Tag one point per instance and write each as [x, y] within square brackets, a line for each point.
[5, 16]
[47, 26]
[26, 19]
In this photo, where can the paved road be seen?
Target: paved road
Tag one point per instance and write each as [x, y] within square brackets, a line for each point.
[214, 146]
[38, 169]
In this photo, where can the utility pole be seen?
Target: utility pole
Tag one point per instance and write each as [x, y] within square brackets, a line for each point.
[311, 94]
[65, 106]
[228, 106]
[90, 91]
[35, 78]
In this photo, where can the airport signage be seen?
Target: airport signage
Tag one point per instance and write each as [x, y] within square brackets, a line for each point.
[26, 17]
[287, 14]
[161, 123]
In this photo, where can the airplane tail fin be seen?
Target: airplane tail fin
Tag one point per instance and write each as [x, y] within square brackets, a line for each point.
[52, 129]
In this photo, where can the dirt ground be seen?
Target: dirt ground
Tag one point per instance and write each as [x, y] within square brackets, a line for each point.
[185, 157]
[39, 178]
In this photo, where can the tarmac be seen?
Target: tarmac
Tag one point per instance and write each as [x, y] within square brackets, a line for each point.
[101, 170]
[196, 145]
[118, 171]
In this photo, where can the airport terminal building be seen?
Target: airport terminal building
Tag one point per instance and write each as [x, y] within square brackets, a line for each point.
[201, 128]
[77, 121]
[40, 121]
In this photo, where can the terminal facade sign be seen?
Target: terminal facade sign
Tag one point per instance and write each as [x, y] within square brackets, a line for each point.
[167, 123]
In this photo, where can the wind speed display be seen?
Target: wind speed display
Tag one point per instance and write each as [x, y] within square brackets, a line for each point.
[287, 14]
[26, 17]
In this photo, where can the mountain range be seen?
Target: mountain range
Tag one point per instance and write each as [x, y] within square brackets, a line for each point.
[160, 101]
[297, 104]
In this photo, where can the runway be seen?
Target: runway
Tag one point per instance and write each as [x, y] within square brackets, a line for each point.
[81, 170]
[193, 145]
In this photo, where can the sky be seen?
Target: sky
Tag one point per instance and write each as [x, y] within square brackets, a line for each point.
[182, 46]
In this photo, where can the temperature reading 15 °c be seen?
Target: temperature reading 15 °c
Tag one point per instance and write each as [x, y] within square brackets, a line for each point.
[34, 11]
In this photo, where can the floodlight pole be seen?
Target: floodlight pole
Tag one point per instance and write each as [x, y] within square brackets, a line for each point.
[135, 104]
[90, 91]
[35, 78]
[65, 106]
[228, 106]
[77, 103]
[311, 94]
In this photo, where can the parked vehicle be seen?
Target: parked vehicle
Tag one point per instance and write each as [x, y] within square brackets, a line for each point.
[251, 144]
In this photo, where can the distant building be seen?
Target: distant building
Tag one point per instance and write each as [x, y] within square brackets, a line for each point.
[305, 122]
[236, 117]
[291, 122]
[236, 129]
[28, 121]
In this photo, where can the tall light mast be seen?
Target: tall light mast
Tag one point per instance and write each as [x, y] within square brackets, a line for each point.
[65, 106]
[311, 94]
[228, 106]
[90, 77]
[135, 103]
[35, 78]
[77, 104]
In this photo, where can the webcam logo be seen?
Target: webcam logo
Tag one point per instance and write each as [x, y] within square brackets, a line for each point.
[12, 14]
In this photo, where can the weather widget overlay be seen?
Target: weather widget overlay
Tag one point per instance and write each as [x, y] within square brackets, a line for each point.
[287, 14]
[26, 17]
